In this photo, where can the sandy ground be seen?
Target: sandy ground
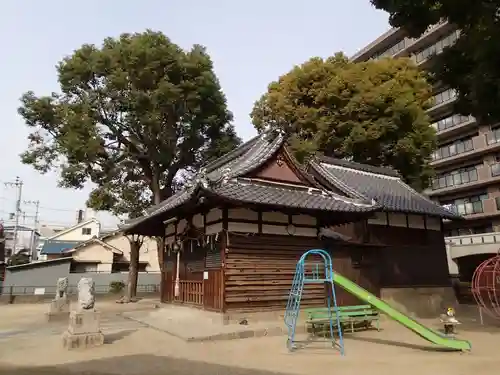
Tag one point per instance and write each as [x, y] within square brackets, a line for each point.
[134, 349]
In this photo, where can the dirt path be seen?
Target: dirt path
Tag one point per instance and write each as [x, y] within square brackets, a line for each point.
[139, 350]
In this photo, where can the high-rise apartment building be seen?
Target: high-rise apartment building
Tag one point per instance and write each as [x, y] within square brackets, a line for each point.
[467, 161]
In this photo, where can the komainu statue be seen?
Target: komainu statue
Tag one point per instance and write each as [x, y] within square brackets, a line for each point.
[86, 293]
[62, 288]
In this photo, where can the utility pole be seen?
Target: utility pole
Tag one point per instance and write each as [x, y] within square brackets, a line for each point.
[35, 228]
[37, 205]
[18, 184]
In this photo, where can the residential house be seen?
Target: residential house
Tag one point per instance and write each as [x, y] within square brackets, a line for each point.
[104, 254]
[111, 253]
[52, 246]
[26, 241]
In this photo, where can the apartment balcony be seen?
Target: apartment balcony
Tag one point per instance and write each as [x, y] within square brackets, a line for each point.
[394, 44]
[482, 143]
[477, 210]
[486, 175]
[429, 37]
[423, 57]
[456, 125]
[442, 103]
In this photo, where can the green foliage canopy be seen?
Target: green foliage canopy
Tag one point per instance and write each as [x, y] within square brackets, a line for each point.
[472, 64]
[371, 112]
[18, 259]
[131, 116]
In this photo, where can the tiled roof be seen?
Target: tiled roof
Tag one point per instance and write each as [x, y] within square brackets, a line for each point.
[275, 195]
[58, 247]
[381, 184]
[224, 178]
[243, 159]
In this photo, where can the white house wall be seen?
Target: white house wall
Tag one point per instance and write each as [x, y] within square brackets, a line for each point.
[148, 252]
[75, 234]
[95, 252]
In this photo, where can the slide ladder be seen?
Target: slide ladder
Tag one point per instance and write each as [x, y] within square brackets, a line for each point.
[317, 276]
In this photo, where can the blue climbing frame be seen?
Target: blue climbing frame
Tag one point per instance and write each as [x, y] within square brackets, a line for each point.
[317, 277]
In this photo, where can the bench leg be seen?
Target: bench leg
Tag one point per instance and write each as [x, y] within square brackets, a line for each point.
[352, 326]
[378, 325]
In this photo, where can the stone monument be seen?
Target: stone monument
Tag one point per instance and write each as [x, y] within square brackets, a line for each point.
[84, 322]
[59, 306]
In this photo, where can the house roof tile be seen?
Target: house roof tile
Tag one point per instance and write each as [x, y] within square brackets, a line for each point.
[58, 247]
[224, 178]
[381, 184]
[276, 195]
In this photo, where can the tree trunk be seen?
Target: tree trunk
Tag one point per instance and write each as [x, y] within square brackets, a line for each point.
[135, 246]
[160, 240]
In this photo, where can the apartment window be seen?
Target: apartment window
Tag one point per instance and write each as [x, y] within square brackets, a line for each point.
[86, 231]
[391, 51]
[468, 205]
[437, 47]
[444, 96]
[454, 178]
[495, 169]
[454, 148]
[493, 137]
[451, 121]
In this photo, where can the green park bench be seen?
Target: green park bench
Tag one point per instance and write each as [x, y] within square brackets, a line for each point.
[351, 316]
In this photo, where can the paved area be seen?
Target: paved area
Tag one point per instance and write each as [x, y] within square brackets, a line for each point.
[134, 349]
[196, 325]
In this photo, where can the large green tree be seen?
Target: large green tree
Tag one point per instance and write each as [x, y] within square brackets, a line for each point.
[371, 112]
[132, 115]
[472, 64]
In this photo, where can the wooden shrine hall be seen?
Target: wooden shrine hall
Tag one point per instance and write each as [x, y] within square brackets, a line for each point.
[234, 234]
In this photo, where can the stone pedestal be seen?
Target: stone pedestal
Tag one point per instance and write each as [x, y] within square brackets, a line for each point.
[58, 310]
[83, 330]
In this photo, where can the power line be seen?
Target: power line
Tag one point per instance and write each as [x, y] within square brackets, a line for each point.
[56, 209]
[43, 207]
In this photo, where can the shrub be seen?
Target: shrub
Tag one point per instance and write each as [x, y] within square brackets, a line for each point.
[116, 286]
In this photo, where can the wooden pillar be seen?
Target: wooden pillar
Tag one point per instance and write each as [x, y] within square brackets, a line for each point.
[223, 249]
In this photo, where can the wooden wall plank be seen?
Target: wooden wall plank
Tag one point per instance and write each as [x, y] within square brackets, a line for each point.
[260, 269]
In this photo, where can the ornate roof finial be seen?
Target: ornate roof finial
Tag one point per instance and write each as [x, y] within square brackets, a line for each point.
[225, 175]
[199, 179]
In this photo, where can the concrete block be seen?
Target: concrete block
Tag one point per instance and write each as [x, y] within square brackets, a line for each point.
[84, 321]
[82, 341]
[59, 305]
[57, 316]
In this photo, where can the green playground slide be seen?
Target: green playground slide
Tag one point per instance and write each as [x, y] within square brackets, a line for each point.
[427, 333]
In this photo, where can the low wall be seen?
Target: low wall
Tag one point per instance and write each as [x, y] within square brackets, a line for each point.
[423, 303]
[427, 303]
[46, 298]
[17, 285]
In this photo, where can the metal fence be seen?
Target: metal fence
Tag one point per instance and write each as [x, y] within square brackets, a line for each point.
[24, 290]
